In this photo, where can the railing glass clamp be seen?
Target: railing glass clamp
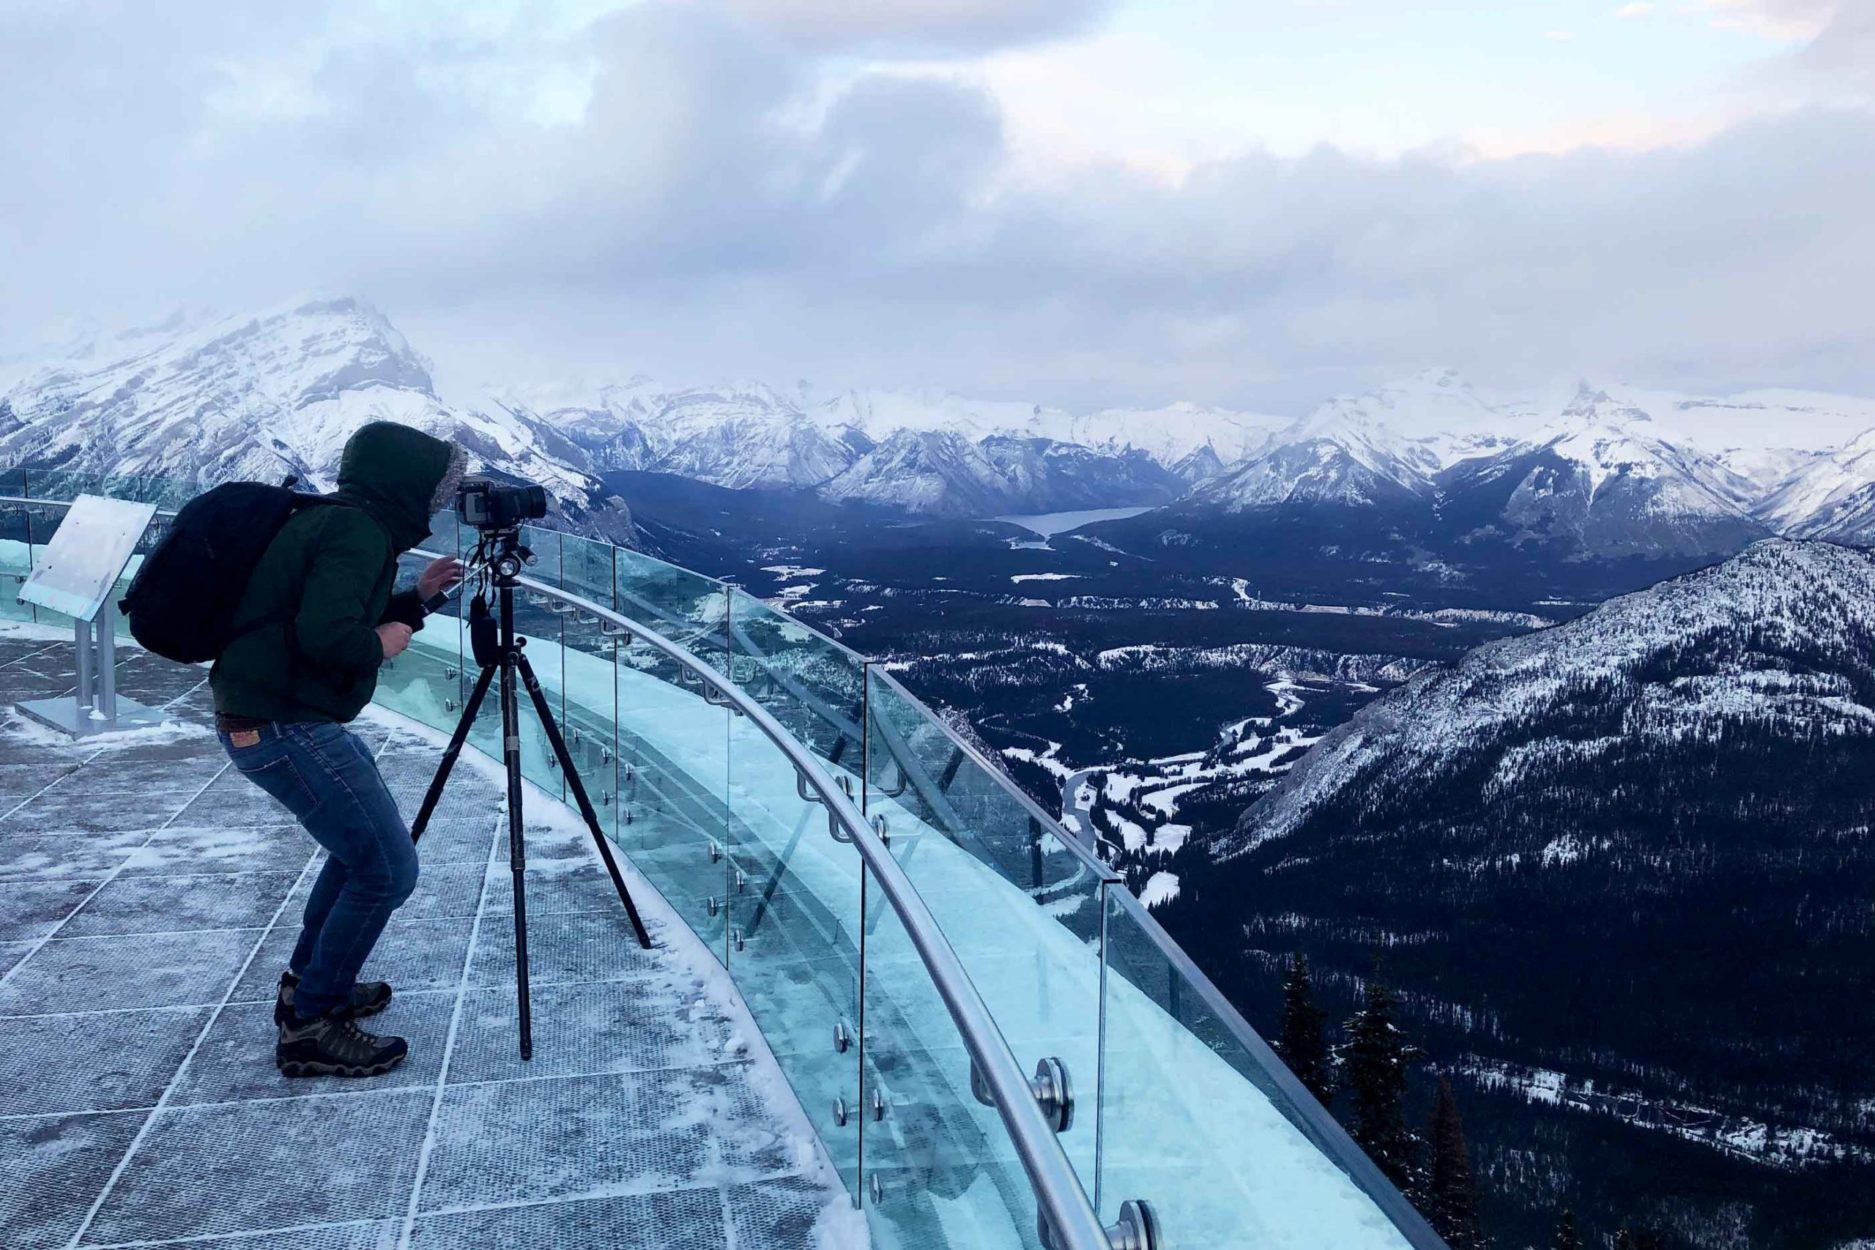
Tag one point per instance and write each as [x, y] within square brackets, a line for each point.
[1050, 1086]
[1136, 1229]
[842, 1037]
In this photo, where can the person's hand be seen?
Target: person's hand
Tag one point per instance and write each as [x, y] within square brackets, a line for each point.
[438, 576]
[394, 637]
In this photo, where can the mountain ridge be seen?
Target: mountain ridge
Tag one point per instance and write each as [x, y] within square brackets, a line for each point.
[203, 399]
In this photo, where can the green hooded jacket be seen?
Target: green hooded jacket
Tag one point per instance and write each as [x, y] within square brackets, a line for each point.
[328, 575]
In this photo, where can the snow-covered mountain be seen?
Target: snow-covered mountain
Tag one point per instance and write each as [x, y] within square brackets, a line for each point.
[1603, 480]
[1596, 471]
[1687, 656]
[929, 453]
[260, 397]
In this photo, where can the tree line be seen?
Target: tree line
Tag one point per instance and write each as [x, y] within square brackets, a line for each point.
[1371, 1064]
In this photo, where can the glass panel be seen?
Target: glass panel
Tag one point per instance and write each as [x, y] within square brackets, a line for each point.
[794, 920]
[70, 484]
[687, 608]
[1197, 1122]
[939, 1169]
[974, 848]
[811, 684]
[16, 559]
[673, 789]
[589, 717]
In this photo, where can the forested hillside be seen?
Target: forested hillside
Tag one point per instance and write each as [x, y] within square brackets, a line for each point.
[1621, 873]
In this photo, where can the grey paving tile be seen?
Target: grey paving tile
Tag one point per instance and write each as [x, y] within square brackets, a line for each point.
[141, 970]
[158, 904]
[236, 1167]
[568, 947]
[52, 1169]
[235, 1061]
[37, 856]
[413, 955]
[780, 1214]
[527, 1141]
[12, 952]
[20, 780]
[99, 1061]
[236, 848]
[457, 840]
[34, 909]
[684, 1219]
[70, 807]
[620, 1026]
[553, 885]
[365, 1235]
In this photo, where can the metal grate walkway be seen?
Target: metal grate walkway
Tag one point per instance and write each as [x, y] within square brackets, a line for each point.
[148, 899]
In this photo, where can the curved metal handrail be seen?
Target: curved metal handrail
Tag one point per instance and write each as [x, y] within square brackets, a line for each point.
[1071, 1217]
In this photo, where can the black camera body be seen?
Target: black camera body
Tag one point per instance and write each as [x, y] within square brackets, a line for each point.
[490, 505]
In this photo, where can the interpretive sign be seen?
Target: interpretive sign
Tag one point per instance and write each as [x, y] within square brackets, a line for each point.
[78, 572]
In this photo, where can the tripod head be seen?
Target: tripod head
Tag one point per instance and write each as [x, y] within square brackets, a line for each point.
[500, 555]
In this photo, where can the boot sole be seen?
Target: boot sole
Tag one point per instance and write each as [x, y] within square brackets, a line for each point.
[298, 1068]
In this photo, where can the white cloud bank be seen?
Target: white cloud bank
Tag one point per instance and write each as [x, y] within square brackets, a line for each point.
[691, 189]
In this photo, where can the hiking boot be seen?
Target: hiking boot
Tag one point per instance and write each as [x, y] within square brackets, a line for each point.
[333, 1045]
[368, 999]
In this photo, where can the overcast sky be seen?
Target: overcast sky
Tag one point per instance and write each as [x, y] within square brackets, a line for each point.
[1253, 202]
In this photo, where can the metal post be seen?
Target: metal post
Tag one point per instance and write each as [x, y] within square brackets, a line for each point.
[81, 651]
[106, 626]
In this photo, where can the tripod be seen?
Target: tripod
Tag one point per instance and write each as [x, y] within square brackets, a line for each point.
[499, 650]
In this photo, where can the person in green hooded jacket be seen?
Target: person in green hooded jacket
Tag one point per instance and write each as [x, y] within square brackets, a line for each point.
[283, 694]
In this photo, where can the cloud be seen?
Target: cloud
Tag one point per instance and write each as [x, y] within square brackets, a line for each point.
[722, 204]
[1779, 19]
[920, 25]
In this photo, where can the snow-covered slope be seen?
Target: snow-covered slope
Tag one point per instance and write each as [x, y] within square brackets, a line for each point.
[1747, 619]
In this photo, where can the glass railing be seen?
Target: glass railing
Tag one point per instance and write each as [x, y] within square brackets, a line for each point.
[1170, 1096]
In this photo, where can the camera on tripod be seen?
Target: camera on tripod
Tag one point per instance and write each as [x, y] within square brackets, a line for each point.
[490, 505]
[497, 510]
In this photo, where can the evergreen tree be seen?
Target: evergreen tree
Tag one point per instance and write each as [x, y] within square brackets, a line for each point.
[1374, 1060]
[1451, 1191]
[1304, 1040]
[1567, 1238]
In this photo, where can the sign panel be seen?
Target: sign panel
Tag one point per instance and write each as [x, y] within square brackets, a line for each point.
[86, 556]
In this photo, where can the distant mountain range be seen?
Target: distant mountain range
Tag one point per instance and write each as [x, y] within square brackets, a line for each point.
[1620, 871]
[1598, 473]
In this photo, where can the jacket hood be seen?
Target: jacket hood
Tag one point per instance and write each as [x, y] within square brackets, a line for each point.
[393, 471]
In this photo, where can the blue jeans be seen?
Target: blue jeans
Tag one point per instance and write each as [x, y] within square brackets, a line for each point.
[326, 777]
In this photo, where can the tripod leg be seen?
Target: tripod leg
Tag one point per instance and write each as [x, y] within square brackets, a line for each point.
[456, 741]
[579, 794]
[517, 843]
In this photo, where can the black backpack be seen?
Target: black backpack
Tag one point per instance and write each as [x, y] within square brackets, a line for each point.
[182, 603]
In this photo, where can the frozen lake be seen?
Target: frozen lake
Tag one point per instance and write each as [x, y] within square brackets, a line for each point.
[1048, 524]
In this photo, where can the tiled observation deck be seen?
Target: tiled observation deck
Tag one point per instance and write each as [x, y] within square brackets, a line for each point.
[148, 898]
